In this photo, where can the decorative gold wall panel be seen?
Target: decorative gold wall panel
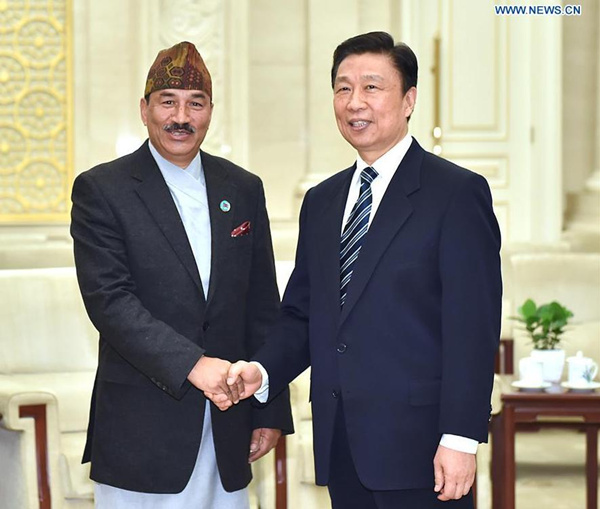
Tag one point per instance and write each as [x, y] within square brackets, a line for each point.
[35, 110]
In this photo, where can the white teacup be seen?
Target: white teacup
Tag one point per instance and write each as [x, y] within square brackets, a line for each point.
[531, 371]
[582, 370]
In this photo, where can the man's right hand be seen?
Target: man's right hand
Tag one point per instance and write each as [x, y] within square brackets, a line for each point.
[248, 374]
[245, 377]
[210, 375]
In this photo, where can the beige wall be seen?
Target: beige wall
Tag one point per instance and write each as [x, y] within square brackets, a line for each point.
[270, 62]
[278, 74]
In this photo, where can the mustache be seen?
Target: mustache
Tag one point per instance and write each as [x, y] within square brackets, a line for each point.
[179, 127]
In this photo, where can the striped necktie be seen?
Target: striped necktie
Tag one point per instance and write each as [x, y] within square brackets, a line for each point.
[355, 229]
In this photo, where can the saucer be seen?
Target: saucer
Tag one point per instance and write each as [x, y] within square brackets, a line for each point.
[524, 385]
[589, 387]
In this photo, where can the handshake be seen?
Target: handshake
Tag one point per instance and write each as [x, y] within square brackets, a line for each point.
[225, 384]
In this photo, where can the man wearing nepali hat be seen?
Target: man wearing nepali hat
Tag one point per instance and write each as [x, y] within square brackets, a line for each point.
[175, 265]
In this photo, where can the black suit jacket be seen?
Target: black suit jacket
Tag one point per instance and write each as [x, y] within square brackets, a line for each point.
[411, 354]
[142, 291]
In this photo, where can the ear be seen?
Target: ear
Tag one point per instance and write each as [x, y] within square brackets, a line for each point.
[144, 110]
[410, 100]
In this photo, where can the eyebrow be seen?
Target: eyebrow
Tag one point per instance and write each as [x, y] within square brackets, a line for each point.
[364, 77]
[372, 77]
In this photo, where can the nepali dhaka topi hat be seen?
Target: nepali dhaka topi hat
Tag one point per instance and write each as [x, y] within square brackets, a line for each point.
[180, 66]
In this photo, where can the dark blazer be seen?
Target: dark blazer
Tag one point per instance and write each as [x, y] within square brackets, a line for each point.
[142, 291]
[411, 354]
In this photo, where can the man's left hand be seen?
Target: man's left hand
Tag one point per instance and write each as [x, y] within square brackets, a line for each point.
[262, 441]
[454, 473]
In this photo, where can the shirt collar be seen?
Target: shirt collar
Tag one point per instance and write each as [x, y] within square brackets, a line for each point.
[388, 163]
[194, 169]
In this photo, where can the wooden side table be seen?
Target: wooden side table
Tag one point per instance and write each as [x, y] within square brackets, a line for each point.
[554, 407]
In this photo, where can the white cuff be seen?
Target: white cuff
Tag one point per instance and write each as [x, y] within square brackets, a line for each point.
[262, 394]
[459, 443]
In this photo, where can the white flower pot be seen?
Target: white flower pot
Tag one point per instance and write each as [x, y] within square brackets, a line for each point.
[553, 362]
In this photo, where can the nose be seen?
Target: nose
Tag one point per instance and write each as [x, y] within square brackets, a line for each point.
[356, 100]
[181, 114]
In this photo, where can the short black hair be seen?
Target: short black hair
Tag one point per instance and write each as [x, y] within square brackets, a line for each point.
[403, 58]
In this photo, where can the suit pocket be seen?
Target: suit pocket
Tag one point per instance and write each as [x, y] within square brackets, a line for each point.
[242, 242]
[424, 392]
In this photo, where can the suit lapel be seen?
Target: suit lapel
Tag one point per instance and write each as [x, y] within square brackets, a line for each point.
[154, 192]
[219, 188]
[328, 241]
[394, 210]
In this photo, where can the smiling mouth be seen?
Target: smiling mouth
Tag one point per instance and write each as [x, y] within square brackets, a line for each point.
[359, 124]
[179, 129]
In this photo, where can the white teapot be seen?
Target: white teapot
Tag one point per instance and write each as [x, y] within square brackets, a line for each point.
[582, 370]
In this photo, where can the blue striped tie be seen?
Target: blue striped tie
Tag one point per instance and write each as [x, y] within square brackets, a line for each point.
[355, 229]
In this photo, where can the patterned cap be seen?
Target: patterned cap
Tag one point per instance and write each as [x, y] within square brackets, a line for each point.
[179, 67]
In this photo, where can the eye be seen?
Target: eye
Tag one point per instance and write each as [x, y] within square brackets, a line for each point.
[168, 102]
[195, 104]
[342, 89]
[371, 87]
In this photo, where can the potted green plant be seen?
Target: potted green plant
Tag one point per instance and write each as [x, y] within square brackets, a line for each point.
[545, 325]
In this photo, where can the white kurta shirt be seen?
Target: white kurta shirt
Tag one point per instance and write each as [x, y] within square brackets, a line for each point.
[204, 489]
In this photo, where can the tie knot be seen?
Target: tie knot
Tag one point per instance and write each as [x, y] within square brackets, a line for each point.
[368, 175]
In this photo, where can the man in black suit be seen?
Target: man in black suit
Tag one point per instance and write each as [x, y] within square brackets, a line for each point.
[175, 265]
[394, 302]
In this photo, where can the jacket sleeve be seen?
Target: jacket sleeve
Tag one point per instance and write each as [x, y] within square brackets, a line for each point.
[469, 265]
[109, 294]
[262, 311]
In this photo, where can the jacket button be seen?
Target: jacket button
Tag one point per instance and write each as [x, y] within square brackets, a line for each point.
[335, 394]
[341, 348]
[205, 326]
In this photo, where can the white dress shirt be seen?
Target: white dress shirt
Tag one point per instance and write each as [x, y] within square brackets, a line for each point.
[386, 167]
[204, 489]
